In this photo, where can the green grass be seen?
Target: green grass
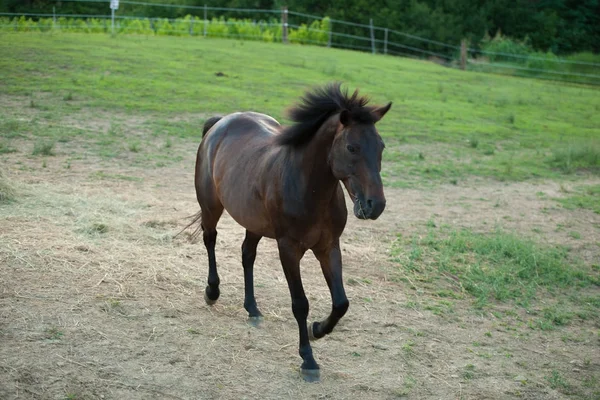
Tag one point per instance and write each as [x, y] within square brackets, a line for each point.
[571, 157]
[7, 191]
[444, 126]
[44, 148]
[557, 381]
[6, 148]
[493, 268]
[587, 197]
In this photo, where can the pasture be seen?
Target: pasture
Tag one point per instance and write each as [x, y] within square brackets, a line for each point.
[479, 281]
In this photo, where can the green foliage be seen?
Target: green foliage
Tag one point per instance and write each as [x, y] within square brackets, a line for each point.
[586, 58]
[316, 33]
[163, 27]
[217, 28]
[96, 25]
[544, 61]
[505, 47]
[134, 27]
[559, 26]
[243, 29]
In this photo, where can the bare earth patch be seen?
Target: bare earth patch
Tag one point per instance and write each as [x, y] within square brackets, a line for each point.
[97, 300]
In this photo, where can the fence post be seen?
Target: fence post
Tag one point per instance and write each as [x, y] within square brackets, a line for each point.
[53, 17]
[205, 21]
[192, 26]
[385, 41]
[463, 54]
[112, 12]
[330, 33]
[284, 24]
[372, 36]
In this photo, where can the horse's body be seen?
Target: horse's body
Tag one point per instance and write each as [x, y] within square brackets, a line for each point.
[284, 183]
[281, 201]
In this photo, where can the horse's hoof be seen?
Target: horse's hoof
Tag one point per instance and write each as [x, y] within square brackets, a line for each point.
[209, 301]
[255, 321]
[310, 375]
[311, 333]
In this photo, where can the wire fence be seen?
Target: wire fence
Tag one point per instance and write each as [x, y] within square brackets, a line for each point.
[296, 27]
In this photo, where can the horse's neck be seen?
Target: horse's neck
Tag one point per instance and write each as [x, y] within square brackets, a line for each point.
[314, 161]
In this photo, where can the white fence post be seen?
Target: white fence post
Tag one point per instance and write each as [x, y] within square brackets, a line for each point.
[284, 23]
[205, 20]
[385, 41]
[372, 36]
[114, 5]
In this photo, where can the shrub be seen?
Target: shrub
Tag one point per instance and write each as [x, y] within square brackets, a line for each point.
[217, 28]
[544, 61]
[502, 48]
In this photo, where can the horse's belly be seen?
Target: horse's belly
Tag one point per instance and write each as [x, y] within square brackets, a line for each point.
[249, 213]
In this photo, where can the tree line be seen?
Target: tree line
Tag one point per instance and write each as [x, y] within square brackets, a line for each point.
[557, 26]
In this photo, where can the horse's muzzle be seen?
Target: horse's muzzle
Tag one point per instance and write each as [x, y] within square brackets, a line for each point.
[369, 209]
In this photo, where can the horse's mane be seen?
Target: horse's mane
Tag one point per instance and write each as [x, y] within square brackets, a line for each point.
[316, 107]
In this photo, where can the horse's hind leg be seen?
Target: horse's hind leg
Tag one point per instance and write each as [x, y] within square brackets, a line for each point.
[210, 218]
[248, 257]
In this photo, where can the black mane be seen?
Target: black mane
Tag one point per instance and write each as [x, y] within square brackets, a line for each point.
[316, 107]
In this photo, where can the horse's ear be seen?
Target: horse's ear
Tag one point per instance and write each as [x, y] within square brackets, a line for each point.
[345, 117]
[380, 111]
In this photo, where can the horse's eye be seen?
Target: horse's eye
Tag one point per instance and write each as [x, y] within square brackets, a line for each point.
[351, 149]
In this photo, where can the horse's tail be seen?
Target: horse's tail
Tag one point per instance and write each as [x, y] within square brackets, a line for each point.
[209, 124]
[194, 219]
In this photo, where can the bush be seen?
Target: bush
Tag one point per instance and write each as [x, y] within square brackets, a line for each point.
[316, 33]
[217, 28]
[502, 48]
[136, 27]
[183, 26]
[585, 57]
[163, 27]
[96, 25]
[247, 29]
[244, 29]
[546, 61]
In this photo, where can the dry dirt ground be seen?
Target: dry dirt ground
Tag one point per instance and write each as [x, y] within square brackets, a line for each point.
[98, 301]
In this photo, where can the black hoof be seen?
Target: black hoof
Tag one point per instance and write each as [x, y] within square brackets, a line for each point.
[207, 297]
[311, 331]
[255, 321]
[310, 375]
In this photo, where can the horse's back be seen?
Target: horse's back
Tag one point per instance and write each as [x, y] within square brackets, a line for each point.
[233, 165]
[244, 126]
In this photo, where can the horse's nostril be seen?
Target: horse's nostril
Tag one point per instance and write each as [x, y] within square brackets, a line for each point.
[369, 204]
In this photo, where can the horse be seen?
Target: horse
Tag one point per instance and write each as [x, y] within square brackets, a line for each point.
[283, 183]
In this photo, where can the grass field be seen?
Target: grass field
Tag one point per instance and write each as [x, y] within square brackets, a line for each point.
[479, 281]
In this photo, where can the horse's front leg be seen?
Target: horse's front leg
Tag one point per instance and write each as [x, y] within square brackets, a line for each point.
[290, 253]
[330, 258]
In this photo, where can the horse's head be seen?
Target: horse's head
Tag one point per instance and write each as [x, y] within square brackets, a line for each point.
[355, 159]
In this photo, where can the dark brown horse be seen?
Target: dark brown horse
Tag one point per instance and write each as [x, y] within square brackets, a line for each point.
[284, 183]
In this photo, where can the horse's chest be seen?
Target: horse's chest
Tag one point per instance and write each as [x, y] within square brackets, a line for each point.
[307, 230]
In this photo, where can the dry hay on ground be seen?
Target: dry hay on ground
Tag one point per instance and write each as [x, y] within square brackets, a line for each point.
[97, 300]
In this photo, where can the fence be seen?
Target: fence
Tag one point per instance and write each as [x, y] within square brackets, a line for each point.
[294, 27]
